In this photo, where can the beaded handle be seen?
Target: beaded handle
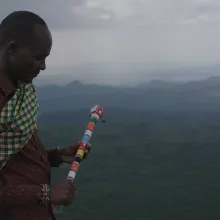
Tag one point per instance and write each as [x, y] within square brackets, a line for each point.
[96, 113]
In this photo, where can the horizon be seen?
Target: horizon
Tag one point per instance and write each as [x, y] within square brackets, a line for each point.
[42, 83]
[134, 74]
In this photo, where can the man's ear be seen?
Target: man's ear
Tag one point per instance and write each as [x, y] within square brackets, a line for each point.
[12, 47]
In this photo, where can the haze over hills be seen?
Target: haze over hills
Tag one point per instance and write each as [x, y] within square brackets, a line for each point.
[125, 73]
[157, 95]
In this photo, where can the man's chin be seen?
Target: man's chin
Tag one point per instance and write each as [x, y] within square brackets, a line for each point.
[28, 81]
[30, 78]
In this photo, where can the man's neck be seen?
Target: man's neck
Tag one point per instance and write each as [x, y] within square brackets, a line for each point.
[5, 71]
[13, 81]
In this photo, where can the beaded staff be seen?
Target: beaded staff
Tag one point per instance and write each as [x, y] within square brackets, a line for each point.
[96, 113]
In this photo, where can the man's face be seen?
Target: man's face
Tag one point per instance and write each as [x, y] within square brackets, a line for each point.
[25, 63]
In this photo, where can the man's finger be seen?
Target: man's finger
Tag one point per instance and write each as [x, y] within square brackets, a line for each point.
[85, 155]
[67, 159]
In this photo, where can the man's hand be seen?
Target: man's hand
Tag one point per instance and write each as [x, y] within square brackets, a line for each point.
[62, 193]
[68, 153]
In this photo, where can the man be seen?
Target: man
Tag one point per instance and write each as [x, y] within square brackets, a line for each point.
[25, 189]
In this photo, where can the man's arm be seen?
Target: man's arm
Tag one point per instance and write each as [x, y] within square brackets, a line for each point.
[54, 157]
[16, 195]
[31, 195]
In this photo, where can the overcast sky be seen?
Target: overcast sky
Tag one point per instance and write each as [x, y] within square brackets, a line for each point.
[176, 32]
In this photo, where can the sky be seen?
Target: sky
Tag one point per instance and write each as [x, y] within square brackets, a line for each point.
[150, 33]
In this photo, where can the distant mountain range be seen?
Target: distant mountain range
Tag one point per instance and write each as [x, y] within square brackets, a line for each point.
[157, 95]
[125, 73]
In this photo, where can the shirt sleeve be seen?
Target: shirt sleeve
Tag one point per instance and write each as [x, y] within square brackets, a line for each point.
[54, 158]
[16, 195]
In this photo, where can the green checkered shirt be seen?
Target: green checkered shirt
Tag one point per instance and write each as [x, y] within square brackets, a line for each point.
[18, 121]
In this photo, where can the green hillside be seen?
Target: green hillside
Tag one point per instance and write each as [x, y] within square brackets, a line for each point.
[143, 166]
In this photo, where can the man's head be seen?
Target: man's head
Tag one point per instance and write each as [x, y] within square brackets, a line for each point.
[25, 42]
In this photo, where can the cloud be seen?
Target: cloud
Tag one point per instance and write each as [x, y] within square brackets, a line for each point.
[100, 13]
[204, 12]
[61, 15]
[91, 14]
[177, 32]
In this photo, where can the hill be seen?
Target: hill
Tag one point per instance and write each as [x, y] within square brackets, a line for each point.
[155, 158]
[158, 95]
[143, 165]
